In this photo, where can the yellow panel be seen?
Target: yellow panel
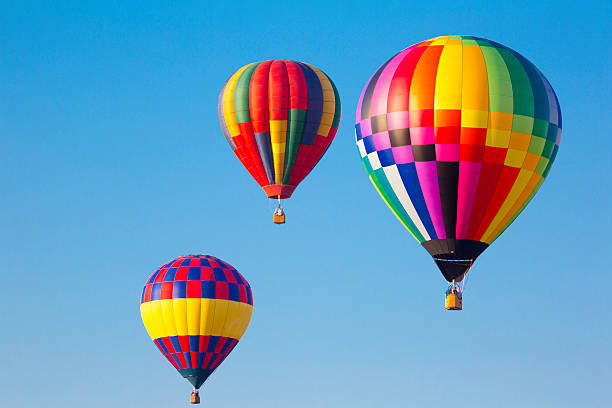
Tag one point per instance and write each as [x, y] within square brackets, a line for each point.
[329, 102]
[278, 137]
[145, 313]
[218, 325]
[207, 314]
[157, 319]
[448, 78]
[238, 317]
[228, 102]
[440, 40]
[193, 316]
[474, 118]
[180, 316]
[497, 138]
[519, 141]
[500, 120]
[475, 84]
[533, 184]
[246, 313]
[167, 309]
[515, 158]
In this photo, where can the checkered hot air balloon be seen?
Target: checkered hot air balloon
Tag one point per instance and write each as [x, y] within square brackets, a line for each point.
[457, 134]
[196, 308]
[279, 117]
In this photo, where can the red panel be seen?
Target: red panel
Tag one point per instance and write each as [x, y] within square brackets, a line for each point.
[184, 340]
[166, 290]
[446, 135]
[194, 289]
[160, 276]
[221, 290]
[194, 262]
[473, 136]
[298, 89]
[194, 359]
[181, 273]
[486, 186]
[206, 273]
[495, 155]
[220, 344]
[181, 360]
[242, 294]
[147, 294]
[399, 90]
[229, 276]
[168, 345]
[204, 343]
[471, 153]
[278, 91]
[258, 98]
[504, 184]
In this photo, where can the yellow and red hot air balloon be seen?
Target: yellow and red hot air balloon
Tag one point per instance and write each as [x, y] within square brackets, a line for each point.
[457, 134]
[196, 308]
[279, 117]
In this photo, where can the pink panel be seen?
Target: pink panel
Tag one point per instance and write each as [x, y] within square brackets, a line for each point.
[402, 154]
[469, 173]
[447, 152]
[422, 135]
[366, 127]
[398, 120]
[381, 141]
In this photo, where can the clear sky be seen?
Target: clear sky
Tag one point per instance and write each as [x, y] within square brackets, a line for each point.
[113, 163]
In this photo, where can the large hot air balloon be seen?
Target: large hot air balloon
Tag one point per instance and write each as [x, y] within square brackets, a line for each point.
[457, 134]
[196, 308]
[279, 117]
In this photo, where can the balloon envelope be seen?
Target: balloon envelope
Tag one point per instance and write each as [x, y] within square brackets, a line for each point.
[279, 117]
[457, 133]
[196, 308]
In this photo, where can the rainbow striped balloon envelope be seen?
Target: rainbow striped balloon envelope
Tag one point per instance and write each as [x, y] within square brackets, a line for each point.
[279, 117]
[457, 133]
[196, 308]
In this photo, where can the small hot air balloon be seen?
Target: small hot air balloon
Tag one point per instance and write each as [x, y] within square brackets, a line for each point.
[196, 308]
[457, 134]
[279, 117]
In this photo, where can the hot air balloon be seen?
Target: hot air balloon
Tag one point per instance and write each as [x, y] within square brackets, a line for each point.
[457, 134]
[196, 308]
[279, 117]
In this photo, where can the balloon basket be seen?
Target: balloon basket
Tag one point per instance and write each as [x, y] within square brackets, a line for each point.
[453, 301]
[279, 216]
[195, 397]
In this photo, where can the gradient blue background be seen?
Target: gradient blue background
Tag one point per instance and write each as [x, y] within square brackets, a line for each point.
[113, 163]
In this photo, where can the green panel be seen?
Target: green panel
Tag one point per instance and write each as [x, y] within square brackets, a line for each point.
[521, 85]
[536, 145]
[500, 85]
[241, 95]
[296, 120]
[542, 164]
[540, 128]
[548, 148]
[522, 124]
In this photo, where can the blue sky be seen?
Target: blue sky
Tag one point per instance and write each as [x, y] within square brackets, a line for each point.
[114, 163]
